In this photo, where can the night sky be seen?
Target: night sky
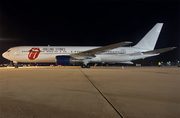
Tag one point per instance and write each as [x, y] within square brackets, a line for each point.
[32, 23]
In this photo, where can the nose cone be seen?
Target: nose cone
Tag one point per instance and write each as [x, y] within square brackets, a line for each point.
[4, 54]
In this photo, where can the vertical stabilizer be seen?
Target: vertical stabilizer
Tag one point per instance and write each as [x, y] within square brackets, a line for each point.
[149, 40]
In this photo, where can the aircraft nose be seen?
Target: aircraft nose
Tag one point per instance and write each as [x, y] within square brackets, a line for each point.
[4, 54]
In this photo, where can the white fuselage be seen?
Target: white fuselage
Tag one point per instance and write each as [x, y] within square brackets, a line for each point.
[114, 53]
[47, 54]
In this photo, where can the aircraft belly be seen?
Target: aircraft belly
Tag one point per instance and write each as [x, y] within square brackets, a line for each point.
[115, 58]
[144, 56]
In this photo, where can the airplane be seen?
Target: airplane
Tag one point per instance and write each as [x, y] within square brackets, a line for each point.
[84, 55]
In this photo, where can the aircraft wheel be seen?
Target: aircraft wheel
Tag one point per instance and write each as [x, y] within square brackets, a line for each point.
[83, 66]
[16, 66]
[88, 66]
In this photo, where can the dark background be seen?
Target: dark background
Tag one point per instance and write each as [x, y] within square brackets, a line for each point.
[93, 23]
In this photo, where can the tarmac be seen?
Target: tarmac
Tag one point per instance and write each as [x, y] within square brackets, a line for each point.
[98, 92]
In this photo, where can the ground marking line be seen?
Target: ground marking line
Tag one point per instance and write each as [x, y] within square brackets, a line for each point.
[103, 95]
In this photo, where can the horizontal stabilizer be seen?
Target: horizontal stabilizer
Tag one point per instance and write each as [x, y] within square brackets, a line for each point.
[158, 51]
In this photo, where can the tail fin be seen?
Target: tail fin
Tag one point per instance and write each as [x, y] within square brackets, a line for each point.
[150, 39]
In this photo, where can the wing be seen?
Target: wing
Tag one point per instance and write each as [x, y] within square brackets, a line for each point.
[91, 53]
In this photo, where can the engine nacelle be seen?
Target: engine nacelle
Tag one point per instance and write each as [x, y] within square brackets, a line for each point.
[63, 60]
[66, 60]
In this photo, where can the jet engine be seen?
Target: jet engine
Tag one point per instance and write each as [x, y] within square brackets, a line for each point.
[66, 60]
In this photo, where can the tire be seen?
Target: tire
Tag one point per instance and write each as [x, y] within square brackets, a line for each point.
[16, 66]
[83, 66]
[88, 66]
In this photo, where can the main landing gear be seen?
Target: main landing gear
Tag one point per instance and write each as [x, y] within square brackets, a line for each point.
[85, 66]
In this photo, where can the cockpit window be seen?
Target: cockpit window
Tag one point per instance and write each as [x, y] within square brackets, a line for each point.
[8, 51]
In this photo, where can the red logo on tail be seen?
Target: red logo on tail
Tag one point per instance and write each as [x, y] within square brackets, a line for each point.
[34, 53]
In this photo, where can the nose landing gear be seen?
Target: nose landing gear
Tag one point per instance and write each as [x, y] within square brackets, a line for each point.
[15, 64]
